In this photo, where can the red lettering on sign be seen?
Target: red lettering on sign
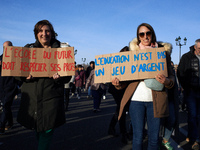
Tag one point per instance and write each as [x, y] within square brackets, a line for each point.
[34, 67]
[8, 65]
[46, 55]
[20, 52]
[62, 54]
[15, 52]
[25, 53]
[55, 67]
[6, 55]
[69, 54]
[69, 67]
[33, 55]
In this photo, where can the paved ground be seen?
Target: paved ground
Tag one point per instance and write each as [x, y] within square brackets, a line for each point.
[84, 130]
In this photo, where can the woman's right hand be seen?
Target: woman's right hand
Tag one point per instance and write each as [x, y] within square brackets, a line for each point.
[115, 81]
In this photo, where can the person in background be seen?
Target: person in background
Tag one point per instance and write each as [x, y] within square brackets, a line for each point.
[8, 90]
[76, 67]
[79, 80]
[83, 83]
[171, 122]
[189, 77]
[117, 95]
[104, 94]
[72, 84]
[147, 104]
[42, 100]
[72, 87]
[97, 91]
[67, 92]
[87, 73]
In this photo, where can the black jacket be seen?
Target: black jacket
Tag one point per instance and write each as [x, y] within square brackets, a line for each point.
[87, 73]
[42, 100]
[188, 71]
[8, 87]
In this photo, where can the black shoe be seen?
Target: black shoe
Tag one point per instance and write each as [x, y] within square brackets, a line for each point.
[9, 125]
[111, 131]
[129, 137]
[2, 131]
[124, 139]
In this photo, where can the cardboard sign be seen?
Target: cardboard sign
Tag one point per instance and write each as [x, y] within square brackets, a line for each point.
[39, 62]
[130, 65]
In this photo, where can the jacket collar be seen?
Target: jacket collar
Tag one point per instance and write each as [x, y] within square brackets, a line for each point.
[192, 49]
[54, 44]
[133, 46]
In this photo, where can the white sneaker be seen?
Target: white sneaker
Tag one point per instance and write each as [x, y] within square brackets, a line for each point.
[78, 96]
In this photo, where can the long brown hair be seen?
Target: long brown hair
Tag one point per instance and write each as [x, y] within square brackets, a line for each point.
[150, 28]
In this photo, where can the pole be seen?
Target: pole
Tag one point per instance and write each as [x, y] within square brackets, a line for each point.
[180, 52]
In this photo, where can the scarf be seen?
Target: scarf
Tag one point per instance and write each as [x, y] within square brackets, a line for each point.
[151, 46]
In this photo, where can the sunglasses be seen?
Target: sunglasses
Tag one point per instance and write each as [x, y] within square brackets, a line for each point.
[148, 34]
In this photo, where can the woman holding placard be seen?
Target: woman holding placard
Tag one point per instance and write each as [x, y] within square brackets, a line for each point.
[148, 103]
[42, 99]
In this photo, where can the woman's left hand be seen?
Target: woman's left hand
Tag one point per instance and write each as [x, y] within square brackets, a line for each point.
[162, 79]
[56, 76]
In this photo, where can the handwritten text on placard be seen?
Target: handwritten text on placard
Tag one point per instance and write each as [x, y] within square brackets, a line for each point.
[131, 65]
[39, 62]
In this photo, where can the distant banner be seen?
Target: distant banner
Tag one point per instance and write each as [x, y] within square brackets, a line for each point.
[131, 65]
[39, 62]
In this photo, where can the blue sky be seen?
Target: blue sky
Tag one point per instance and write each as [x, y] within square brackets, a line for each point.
[96, 27]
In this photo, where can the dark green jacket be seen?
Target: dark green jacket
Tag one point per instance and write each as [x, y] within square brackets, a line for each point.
[42, 100]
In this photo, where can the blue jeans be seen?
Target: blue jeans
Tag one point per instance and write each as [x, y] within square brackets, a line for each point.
[97, 94]
[140, 112]
[193, 104]
[169, 121]
[78, 89]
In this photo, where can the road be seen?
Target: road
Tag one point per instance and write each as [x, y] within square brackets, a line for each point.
[84, 129]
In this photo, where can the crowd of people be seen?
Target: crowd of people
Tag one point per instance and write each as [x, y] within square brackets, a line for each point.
[149, 107]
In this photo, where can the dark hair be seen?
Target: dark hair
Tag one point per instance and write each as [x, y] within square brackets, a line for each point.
[124, 49]
[40, 24]
[80, 66]
[92, 62]
[150, 28]
[1, 57]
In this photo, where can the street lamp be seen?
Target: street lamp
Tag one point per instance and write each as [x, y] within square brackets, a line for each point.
[75, 52]
[83, 59]
[178, 43]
